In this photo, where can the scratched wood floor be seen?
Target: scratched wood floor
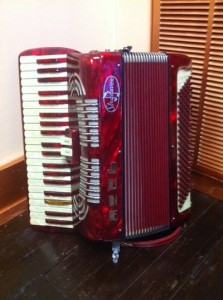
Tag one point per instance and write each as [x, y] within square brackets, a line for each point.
[38, 265]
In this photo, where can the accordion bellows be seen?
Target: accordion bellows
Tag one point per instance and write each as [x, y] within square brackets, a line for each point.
[107, 141]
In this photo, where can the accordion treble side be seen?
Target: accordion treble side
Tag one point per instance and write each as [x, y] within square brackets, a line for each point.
[107, 139]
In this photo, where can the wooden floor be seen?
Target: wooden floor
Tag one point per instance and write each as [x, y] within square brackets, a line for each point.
[38, 265]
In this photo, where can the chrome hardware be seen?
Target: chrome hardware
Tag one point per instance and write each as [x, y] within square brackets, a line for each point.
[115, 251]
[126, 49]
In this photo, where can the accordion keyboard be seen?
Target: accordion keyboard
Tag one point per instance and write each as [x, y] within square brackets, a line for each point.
[49, 115]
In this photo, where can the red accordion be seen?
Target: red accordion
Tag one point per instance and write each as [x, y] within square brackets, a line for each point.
[107, 142]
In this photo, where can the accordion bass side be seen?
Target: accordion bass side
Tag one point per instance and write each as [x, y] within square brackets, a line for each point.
[112, 131]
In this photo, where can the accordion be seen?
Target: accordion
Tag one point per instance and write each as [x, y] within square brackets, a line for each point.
[107, 142]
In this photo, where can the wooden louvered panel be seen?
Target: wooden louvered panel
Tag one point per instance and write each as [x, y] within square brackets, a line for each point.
[210, 154]
[183, 29]
[195, 28]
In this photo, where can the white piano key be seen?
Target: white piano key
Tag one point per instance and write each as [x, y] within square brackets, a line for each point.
[60, 180]
[53, 188]
[32, 175]
[34, 83]
[36, 196]
[38, 119]
[36, 59]
[67, 206]
[38, 155]
[35, 74]
[36, 112]
[38, 141]
[42, 222]
[37, 182]
[40, 219]
[50, 88]
[36, 97]
[36, 105]
[38, 134]
[37, 169]
[35, 66]
[42, 215]
[40, 176]
[35, 148]
[37, 127]
[40, 162]
[41, 207]
[27, 59]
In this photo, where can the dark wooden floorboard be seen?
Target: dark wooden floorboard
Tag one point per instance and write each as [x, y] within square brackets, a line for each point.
[40, 265]
[170, 270]
[206, 280]
[41, 289]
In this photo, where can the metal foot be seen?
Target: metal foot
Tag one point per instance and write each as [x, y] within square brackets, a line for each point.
[115, 251]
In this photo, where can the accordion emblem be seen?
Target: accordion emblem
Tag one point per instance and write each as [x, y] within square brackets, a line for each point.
[107, 143]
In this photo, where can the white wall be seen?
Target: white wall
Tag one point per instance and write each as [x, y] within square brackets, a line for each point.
[79, 24]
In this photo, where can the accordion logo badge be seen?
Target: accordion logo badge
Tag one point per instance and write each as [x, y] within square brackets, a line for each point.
[111, 94]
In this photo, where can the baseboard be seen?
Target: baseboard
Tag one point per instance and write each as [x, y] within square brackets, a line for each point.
[13, 189]
[14, 210]
[207, 185]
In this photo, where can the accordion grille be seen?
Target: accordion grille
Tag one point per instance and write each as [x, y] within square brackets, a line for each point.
[146, 162]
